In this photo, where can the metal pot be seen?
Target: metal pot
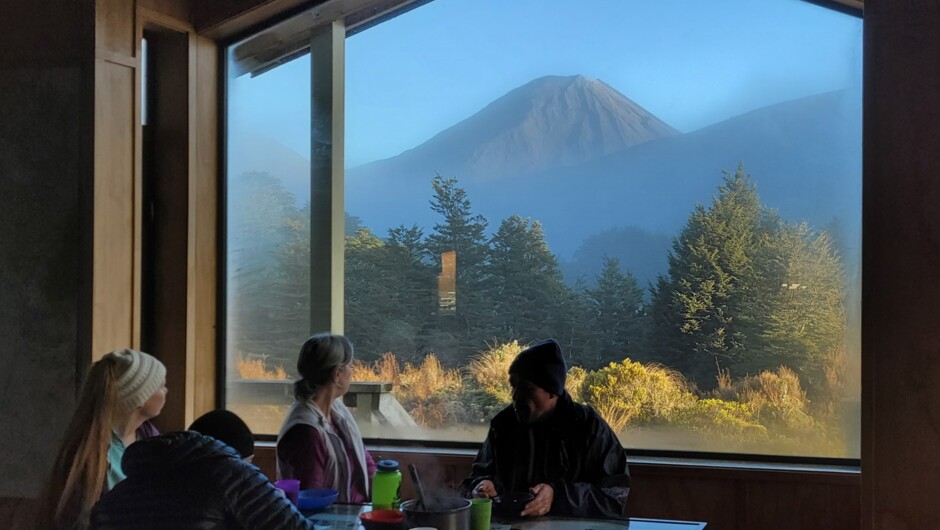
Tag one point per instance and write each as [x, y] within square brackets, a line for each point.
[448, 513]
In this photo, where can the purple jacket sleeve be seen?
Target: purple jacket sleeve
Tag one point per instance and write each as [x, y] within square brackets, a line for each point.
[370, 464]
[302, 452]
[147, 430]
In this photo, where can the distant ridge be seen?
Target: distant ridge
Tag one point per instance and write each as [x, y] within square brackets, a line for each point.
[550, 122]
[804, 155]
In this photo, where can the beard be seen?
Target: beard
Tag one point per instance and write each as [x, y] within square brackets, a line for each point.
[523, 414]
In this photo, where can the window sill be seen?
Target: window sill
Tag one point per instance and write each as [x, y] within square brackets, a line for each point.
[678, 462]
[743, 464]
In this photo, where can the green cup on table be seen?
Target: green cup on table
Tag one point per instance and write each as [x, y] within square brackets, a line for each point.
[481, 510]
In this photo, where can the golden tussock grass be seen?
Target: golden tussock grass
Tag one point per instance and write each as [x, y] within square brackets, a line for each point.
[257, 369]
[386, 369]
[418, 383]
[490, 369]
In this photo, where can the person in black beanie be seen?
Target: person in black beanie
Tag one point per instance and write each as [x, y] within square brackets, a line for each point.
[225, 426]
[563, 453]
[196, 479]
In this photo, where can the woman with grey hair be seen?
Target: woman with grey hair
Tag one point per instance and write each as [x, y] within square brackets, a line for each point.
[320, 443]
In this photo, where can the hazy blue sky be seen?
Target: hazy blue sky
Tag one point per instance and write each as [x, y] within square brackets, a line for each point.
[690, 63]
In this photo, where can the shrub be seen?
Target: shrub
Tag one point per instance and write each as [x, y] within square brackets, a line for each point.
[427, 391]
[426, 380]
[775, 398]
[628, 392]
[727, 420]
[433, 412]
[476, 406]
[573, 382]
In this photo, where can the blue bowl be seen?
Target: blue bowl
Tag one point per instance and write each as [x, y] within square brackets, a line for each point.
[316, 499]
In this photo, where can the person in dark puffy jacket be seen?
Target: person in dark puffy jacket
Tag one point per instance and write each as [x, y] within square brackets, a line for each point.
[560, 451]
[196, 481]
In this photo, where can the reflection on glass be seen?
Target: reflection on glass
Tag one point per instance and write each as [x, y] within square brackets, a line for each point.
[447, 284]
[267, 242]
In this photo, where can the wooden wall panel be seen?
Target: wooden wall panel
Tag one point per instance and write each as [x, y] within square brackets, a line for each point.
[715, 500]
[223, 18]
[176, 9]
[114, 21]
[901, 264]
[168, 313]
[726, 498]
[114, 217]
[187, 238]
[205, 222]
[185, 161]
[802, 506]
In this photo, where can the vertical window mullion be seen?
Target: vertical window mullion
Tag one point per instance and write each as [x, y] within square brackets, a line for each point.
[327, 49]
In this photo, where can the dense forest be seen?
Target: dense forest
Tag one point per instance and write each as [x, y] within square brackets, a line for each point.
[746, 294]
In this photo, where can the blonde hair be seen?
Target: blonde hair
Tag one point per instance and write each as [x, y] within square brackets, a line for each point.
[81, 466]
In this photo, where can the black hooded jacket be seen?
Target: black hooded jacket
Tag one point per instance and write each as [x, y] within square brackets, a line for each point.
[187, 481]
[574, 451]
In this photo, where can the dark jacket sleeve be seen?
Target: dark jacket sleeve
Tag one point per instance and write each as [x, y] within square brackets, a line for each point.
[602, 488]
[254, 503]
[484, 466]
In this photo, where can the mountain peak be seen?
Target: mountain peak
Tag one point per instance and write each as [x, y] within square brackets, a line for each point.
[548, 122]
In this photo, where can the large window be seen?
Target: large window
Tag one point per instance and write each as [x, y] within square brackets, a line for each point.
[267, 242]
[671, 190]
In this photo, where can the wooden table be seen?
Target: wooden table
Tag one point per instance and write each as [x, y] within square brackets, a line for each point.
[346, 517]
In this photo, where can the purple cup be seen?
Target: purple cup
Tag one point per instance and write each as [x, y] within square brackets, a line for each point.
[290, 487]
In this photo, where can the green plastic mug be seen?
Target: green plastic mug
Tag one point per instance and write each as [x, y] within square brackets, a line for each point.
[481, 510]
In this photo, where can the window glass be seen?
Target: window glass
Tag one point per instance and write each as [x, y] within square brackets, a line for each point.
[671, 190]
[267, 234]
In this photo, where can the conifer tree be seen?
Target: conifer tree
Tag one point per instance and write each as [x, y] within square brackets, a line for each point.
[617, 314]
[711, 271]
[806, 319]
[411, 279]
[526, 293]
[366, 293]
[748, 292]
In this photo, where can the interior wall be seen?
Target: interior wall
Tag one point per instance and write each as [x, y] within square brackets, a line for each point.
[70, 219]
[901, 264]
[725, 498]
[45, 239]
